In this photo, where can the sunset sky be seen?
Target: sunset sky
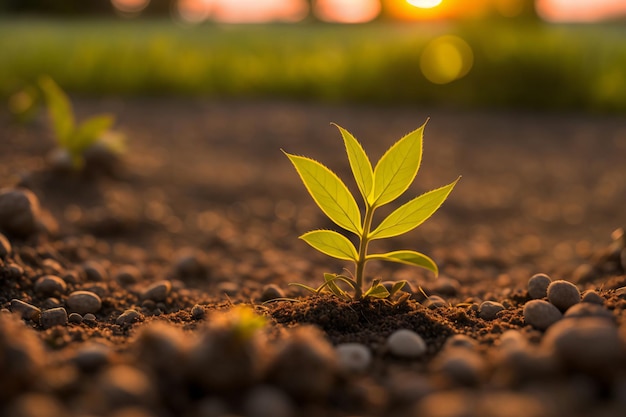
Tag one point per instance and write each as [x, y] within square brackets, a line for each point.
[356, 11]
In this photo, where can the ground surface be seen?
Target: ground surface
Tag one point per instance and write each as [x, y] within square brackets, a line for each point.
[207, 201]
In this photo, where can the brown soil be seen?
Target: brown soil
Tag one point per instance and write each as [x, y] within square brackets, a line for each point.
[206, 200]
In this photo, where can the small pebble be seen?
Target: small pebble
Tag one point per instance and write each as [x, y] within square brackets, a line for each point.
[621, 292]
[590, 296]
[75, 318]
[460, 341]
[89, 318]
[14, 271]
[588, 310]
[541, 314]
[590, 343]
[538, 286]
[5, 247]
[51, 302]
[446, 286]
[157, 291]
[53, 317]
[84, 302]
[460, 366]
[95, 272]
[190, 263]
[268, 401]
[271, 292]
[563, 294]
[434, 301]
[406, 343]
[128, 317]
[353, 357]
[50, 285]
[26, 311]
[19, 212]
[198, 312]
[92, 356]
[488, 310]
[127, 275]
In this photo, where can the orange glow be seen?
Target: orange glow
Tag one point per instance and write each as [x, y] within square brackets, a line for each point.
[580, 10]
[129, 7]
[347, 11]
[446, 9]
[424, 4]
[242, 11]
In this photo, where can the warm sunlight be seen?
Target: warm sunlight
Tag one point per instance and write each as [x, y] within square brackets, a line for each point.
[424, 4]
[243, 11]
[580, 10]
[347, 11]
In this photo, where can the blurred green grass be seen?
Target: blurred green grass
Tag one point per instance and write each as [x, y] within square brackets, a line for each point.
[515, 65]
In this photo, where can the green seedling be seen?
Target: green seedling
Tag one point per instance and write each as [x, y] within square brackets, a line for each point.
[388, 180]
[74, 138]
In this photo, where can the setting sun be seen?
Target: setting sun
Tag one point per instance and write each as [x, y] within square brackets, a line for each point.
[424, 4]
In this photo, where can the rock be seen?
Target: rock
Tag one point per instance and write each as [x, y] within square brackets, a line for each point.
[5, 247]
[488, 310]
[19, 212]
[190, 263]
[271, 292]
[53, 317]
[157, 291]
[14, 271]
[538, 286]
[590, 296]
[305, 365]
[591, 344]
[460, 366]
[198, 312]
[406, 343]
[563, 294]
[95, 272]
[445, 286]
[621, 292]
[128, 275]
[25, 310]
[92, 356]
[75, 318]
[460, 341]
[128, 317]
[83, 302]
[541, 314]
[50, 285]
[353, 357]
[268, 401]
[434, 301]
[89, 318]
[588, 310]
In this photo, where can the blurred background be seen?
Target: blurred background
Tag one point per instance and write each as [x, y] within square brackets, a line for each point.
[537, 54]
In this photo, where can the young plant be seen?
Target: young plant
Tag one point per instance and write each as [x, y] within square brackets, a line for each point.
[76, 139]
[390, 178]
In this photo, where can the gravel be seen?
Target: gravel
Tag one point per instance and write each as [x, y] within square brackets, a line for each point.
[563, 294]
[25, 310]
[488, 310]
[406, 343]
[538, 286]
[353, 357]
[541, 314]
[157, 291]
[53, 317]
[50, 285]
[83, 302]
[19, 212]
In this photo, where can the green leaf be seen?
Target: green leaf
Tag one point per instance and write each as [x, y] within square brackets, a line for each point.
[332, 244]
[397, 168]
[329, 281]
[408, 257]
[410, 215]
[89, 132]
[329, 192]
[359, 162]
[397, 286]
[59, 109]
[306, 287]
[377, 291]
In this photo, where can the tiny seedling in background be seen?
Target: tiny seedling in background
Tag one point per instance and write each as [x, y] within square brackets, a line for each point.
[75, 139]
[389, 179]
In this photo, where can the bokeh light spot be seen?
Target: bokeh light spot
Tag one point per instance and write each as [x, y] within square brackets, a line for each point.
[347, 11]
[129, 8]
[445, 59]
[424, 4]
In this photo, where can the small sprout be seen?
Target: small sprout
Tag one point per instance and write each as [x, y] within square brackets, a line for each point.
[75, 139]
[244, 322]
[380, 185]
